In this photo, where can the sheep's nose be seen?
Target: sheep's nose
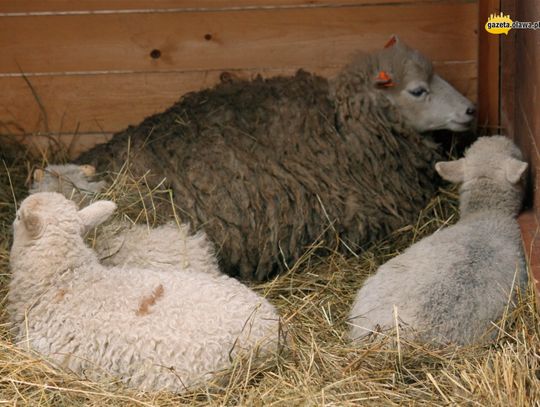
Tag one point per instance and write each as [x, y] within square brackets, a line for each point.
[470, 111]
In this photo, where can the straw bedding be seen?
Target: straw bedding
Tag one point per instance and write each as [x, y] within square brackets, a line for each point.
[314, 297]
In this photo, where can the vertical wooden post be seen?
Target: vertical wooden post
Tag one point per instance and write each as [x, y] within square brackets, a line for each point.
[488, 67]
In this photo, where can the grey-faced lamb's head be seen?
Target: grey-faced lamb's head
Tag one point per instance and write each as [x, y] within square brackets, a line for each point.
[425, 100]
[490, 174]
[73, 181]
[50, 211]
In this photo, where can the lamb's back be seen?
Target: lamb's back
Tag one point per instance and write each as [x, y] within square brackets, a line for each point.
[190, 321]
[449, 285]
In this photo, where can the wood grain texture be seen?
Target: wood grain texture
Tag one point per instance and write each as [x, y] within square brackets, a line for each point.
[488, 61]
[229, 40]
[62, 6]
[508, 73]
[520, 93]
[529, 223]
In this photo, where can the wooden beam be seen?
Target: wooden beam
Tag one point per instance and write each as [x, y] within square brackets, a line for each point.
[488, 68]
[255, 38]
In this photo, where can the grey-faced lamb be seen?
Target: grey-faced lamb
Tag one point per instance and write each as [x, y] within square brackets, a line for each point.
[75, 182]
[451, 286]
[122, 243]
[154, 330]
[268, 167]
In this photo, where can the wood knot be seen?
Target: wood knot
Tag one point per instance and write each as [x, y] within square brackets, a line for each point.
[155, 54]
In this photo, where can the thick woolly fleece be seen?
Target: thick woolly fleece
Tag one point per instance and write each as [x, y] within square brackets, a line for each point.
[154, 330]
[166, 247]
[449, 287]
[268, 167]
[121, 243]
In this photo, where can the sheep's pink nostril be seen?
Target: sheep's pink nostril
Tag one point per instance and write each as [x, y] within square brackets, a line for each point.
[471, 111]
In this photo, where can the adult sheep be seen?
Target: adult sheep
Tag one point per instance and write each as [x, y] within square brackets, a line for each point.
[153, 329]
[267, 167]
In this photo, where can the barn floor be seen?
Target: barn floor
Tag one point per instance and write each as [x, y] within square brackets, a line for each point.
[320, 368]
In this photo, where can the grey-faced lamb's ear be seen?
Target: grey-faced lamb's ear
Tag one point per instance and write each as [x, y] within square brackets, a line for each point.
[514, 170]
[452, 171]
[96, 213]
[88, 170]
[32, 222]
[38, 175]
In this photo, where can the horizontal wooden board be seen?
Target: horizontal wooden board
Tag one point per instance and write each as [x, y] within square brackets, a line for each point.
[72, 145]
[250, 39]
[108, 103]
[63, 6]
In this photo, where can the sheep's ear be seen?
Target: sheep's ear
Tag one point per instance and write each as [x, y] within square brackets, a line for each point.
[38, 175]
[452, 171]
[88, 170]
[394, 40]
[514, 170]
[32, 222]
[96, 213]
[384, 80]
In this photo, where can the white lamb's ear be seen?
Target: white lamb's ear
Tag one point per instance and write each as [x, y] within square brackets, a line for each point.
[32, 222]
[514, 170]
[452, 171]
[96, 213]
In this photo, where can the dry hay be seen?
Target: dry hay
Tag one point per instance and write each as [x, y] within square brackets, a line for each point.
[320, 367]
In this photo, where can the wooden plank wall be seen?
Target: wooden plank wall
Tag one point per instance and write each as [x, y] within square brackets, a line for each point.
[488, 70]
[520, 115]
[90, 68]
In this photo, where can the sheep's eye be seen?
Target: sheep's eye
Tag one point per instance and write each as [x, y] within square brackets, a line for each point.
[417, 92]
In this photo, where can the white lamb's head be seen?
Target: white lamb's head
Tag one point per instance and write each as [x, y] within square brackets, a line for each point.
[45, 212]
[71, 180]
[489, 174]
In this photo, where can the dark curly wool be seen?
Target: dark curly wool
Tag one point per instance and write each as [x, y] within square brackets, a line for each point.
[268, 167]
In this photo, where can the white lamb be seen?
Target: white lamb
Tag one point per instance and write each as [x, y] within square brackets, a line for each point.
[449, 287]
[122, 243]
[155, 330]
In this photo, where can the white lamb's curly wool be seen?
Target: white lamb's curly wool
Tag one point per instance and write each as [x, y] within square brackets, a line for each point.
[452, 285]
[121, 243]
[155, 330]
[165, 247]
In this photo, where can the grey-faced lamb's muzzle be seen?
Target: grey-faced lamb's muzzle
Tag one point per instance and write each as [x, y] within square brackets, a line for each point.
[458, 112]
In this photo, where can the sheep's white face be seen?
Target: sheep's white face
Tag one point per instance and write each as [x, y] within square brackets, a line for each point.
[433, 105]
[43, 210]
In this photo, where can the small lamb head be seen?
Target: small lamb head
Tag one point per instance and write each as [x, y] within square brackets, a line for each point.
[425, 100]
[489, 174]
[73, 181]
[42, 210]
